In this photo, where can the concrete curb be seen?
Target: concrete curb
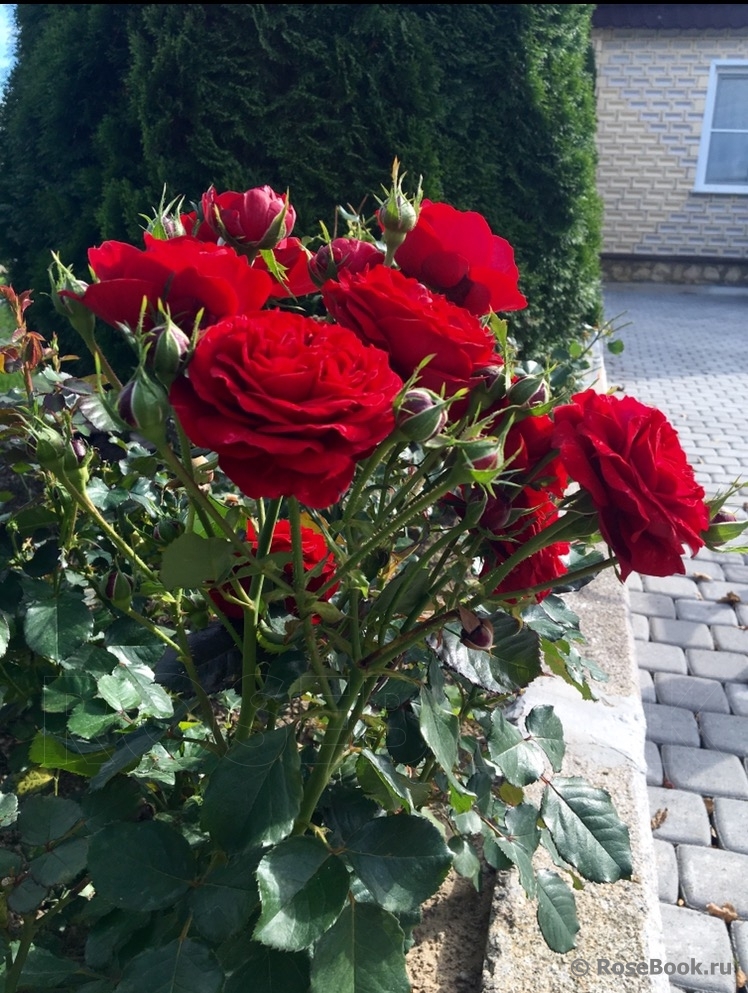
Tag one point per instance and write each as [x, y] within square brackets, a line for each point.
[619, 923]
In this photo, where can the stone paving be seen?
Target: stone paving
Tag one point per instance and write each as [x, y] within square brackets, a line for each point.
[686, 352]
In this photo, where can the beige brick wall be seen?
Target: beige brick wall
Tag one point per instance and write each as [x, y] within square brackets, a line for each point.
[651, 94]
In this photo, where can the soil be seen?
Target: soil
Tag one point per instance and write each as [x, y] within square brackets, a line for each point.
[451, 941]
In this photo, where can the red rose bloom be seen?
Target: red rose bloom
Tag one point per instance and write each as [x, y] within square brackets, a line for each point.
[290, 405]
[185, 274]
[543, 566]
[248, 220]
[456, 253]
[403, 318]
[314, 553]
[628, 457]
[343, 255]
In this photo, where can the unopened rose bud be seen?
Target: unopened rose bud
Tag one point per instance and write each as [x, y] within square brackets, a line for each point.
[168, 351]
[723, 517]
[66, 291]
[144, 406]
[118, 589]
[397, 215]
[477, 632]
[168, 530]
[528, 391]
[80, 449]
[421, 415]
[484, 455]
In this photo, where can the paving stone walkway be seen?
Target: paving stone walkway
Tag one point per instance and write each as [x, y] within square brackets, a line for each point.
[686, 352]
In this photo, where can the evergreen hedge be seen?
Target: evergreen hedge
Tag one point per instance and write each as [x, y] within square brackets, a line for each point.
[493, 103]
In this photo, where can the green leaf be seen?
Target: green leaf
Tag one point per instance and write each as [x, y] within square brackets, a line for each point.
[8, 809]
[303, 887]
[4, 633]
[466, 862]
[587, 830]
[254, 794]
[402, 860]
[547, 730]
[82, 758]
[474, 666]
[144, 866]
[129, 642]
[404, 739]
[57, 627]
[132, 686]
[557, 912]
[120, 800]
[179, 967]
[128, 752]
[616, 346]
[27, 896]
[91, 718]
[109, 934]
[44, 819]
[515, 656]
[381, 780]
[520, 761]
[440, 729]
[62, 864]
[66, 691]
[361, 953]
[191, 560]
[521, 838]
[10, 863]
[227, 897]
[264, 970]
[44, 971]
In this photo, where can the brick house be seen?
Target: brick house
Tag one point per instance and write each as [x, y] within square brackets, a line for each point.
[672, 92]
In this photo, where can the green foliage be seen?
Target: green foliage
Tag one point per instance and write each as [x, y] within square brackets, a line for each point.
[492, 103]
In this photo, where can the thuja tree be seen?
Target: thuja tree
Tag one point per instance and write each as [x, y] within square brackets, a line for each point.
[107, 103]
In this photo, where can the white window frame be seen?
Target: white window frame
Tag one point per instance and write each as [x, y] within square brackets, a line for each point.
[720, 68]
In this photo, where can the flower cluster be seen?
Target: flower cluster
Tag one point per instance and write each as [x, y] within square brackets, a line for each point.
[293, 402]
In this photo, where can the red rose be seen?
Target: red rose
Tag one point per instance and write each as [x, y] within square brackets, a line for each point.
[314, 553]
[455, 252]
[628, 457]
[343, 255]
[402, 317]
[289, 404]
[292, 257]
[257, 219]
[186, 275]
[543, 566]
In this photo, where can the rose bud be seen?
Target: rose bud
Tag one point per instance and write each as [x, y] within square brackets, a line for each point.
[477, 632]
[421, 415]
[168, 349]
[343, 255]
[65, 292]
[250, 221]
[144, 406]
[528, 391]
[723, 517]
[118, 589]
[168, 530]
[485, 455]
[80, 449]
[397, 215]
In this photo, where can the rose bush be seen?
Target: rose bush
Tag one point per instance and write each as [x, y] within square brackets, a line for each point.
[629, 459]
[410, 323]
[289, 404]
[394, 592]
[456, 253]
[188, 276]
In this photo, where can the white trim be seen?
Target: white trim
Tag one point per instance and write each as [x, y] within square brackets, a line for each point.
[720, 68]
